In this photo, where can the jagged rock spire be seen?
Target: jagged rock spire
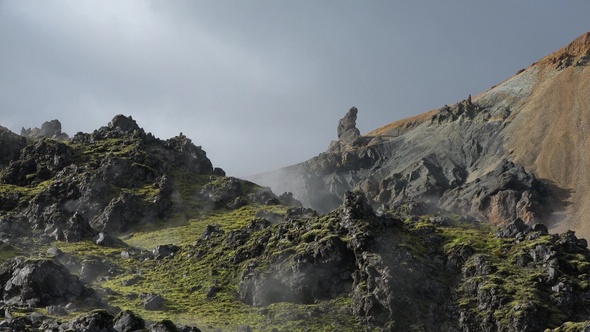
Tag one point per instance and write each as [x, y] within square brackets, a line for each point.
[347, 131]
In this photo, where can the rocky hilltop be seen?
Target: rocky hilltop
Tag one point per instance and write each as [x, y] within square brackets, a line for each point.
[517, 150]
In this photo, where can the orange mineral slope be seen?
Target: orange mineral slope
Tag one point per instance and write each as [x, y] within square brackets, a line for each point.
[550, 133]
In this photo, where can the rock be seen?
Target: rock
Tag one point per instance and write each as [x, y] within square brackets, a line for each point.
[41, 283]
[516, 227]
[91, 269]
[120, 214]
[123, 124]
[105, 240]
[10, 146]
[153, 302]
[164, 251]
[288, 199]
[211, 291]
[132, 281]
[500, 196]
[55, 310]
[127, 321]
[49, 129]
[94, 321]
[347, 131]
[54, 252]
[211, 230]
[321, 272]
[541, 228]
[70, 307]
[36, 318]
[165, 325]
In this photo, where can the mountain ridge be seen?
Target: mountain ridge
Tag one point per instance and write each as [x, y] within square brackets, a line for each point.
[515, 113]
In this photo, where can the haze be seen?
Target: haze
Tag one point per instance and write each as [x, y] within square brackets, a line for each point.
[262, 84]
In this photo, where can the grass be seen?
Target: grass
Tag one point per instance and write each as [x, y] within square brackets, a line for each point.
[182, 280]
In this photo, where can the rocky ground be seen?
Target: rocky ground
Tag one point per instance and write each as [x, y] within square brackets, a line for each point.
[117, 230]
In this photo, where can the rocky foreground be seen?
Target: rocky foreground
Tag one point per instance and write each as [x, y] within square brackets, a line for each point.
[117, 230]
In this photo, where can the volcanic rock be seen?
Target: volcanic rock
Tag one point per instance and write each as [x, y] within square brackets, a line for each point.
[347, 131]
[41, 283]
[127, 321]
[49, 129]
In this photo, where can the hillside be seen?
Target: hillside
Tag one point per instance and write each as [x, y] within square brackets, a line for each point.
[517, 150]
[117, 230]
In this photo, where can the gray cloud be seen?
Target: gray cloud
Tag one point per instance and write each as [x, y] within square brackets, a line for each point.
[262, 84]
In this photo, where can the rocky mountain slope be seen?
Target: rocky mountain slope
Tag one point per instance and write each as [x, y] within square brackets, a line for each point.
[117, 230]
[516, 150]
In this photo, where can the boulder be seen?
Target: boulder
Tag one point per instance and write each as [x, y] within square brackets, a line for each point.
[164, 251]
[41, 283]
[153, 302]
[128, 321]
[94, 321]
[105, 240]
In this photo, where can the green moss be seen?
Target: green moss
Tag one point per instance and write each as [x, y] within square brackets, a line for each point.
[7, 252]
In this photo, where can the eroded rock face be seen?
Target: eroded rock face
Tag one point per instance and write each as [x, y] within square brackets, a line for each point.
[504, 194]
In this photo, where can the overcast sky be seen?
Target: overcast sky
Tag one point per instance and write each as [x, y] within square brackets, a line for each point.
[262, 84]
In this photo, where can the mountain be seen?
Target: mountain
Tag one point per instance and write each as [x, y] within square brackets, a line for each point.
[118, 230]
[518, 150]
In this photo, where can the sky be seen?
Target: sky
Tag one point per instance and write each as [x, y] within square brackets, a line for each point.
[262, 84]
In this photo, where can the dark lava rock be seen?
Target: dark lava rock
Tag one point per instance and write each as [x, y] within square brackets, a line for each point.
[168, 326]
[321, 272]
[41, 283]
[163, 251]
[94, 321]
[55, 310]
[153, 302]
[211, 291]
[128, 321]
[120, 214]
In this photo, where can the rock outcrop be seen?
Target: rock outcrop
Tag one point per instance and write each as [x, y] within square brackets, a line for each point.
[347, 130]
[49, 129]
[111, 180]
[38, 283]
